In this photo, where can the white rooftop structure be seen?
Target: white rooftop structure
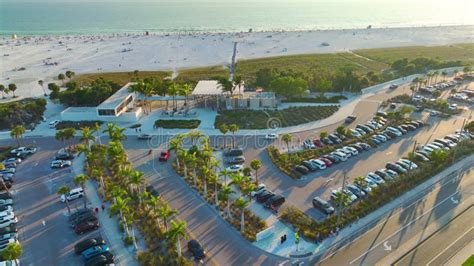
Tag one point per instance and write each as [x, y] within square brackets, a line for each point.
[210, 87]
[117, 98]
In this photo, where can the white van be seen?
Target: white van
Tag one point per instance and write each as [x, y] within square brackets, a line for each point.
[75, 193]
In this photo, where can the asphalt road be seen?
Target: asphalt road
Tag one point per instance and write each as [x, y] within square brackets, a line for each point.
[35, 201]
[444, 244]
[410, 222]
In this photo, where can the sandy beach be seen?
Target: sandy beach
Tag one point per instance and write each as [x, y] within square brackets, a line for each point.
[28, 59]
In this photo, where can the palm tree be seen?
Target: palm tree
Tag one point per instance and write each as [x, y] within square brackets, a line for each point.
[224, 129]
[17, 133]
[238, 180]
[205, 171]
[12, 87]
[64, 190]
[238, 83]
[444, 74]
[173, 90]
[241, 204]
[176, 144]
[41, 83]
[117, 192]
[226, 85]
[6, 91]
[342, 199]
[12, 252]
[60, 136]
[109, 130]
[136, 179]
[2, 90]
[214, 179]
[438, 156]
[361, 182]
[185, 91]
[165, 212]
[224, 195]
[249, 188]
[87, 136]
[70, 74]
[69, 133]
[233, 128]
[176, 231]
[121, 206]
[255, 165]
[287, 138]
[192, 161]
[154, 202]
[225, 173]
[62, 77]
[323, 134]
[97, 172]
[96, 129]
[81, 181]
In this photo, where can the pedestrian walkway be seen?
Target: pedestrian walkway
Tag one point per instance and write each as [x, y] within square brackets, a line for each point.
[125, 256]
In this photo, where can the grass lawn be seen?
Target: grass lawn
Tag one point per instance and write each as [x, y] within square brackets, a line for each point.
[118, 77]
[193, 123]
[249, 119]
[461, 52]
[469, 261]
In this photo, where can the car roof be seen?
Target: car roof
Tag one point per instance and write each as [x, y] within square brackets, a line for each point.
[78, 189]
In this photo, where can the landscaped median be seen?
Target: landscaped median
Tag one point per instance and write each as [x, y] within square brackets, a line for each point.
[439, 105]
[251, 119]
[379, 196]
[197, 165]
[175, 123]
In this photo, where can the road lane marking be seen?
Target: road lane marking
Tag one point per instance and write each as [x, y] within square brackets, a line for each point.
[403, 227]
[386, 246]
[454, 242]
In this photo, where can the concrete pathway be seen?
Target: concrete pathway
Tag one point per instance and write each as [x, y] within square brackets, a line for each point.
[109, 225]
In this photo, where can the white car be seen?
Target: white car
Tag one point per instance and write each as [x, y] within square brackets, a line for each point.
[7, 216]
[5, 202]
[271, 136]
[340, 156]
[395, 131]
[60, 164]
[72, 195]
[353, 151]
[24, 149]
[345, 191]
[318, 163]
[308, 144]
[12, 160]
[6, 223]
[259, 188]
[453, 107]
[235, 168]
[6, 212]
[53, 123]
[377, 179]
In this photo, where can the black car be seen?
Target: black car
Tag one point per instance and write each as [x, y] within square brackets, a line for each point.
[274, 201]
[237, 160]
[327, 141]
[340, 136]
[102, 259]
[401, 129]
[310, 166]
[382, 175]
[87, 243]
[356, 191]
[335, 139]
[264, 196]
[64, 156]
[150, 189]
[411, 127]
[395, 167]
[390, 133]
[323, 205]
[301, 169]
[8, 229]
[5, 196]
[86, 226]
[357, 147]
[196, 249]
[234, 152]
[83, 217]
[350, 119]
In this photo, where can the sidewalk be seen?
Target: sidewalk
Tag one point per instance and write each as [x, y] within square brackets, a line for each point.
[109, 226]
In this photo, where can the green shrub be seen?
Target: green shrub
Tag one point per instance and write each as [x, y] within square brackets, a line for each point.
[77, 124]
[128, 240]
[27, 112]
[193, 123]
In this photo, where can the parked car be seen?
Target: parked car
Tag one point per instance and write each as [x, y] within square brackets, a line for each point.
[340, 156]
[391, 173]
[345, 191]
[6, 202]
[351, 150]
[28, 150]
[377, 179]
[53, 123]
[421, 157]
[79, 212]
[301, 169]
[440, 145]
[319, 164]
[264, 196]
[236, 160]
[8, 229]
[8, 236]
[144, 136]
[235, 168]
[12, 160]
[322, 205]
[259, 188]
[312, 167]
[395, 131]
[86, 226]
[196, 249]
[88, 243]
[356, 191]
[271, 136]
[64, 156]
[73, 194]
[318, 143]
[405, 165]
[365, 146]
[396, 168]
[152, 190]
[105, 258]
[308, 144]
[334, 139]
[274, 202]
[87, 216]
[94, 251]
[331, 158]
[164, 156]
[411, 164]
[445, 143]
[8, 222]
[5, 196]
[350, 119]
[326, 161]
[60, 164]
[453, 138]
[355, 133]
[327, 141]
[234, 152]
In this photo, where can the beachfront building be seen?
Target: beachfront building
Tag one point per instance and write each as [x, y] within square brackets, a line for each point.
[209, 94]
[120, 107]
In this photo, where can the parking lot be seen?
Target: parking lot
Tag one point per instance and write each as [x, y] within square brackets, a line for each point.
[44, 230]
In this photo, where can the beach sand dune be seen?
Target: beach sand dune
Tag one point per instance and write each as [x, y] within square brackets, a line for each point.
[28, 59]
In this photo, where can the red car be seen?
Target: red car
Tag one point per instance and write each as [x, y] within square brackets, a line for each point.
[326, 161]
[164, 156]
[318, 143]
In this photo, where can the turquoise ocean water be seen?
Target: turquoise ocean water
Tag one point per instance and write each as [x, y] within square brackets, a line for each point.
[225, 15]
